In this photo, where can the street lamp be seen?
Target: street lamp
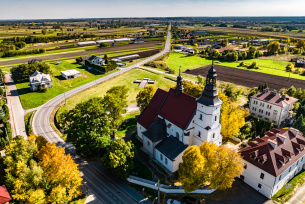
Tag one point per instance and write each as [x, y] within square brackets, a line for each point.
[158, 183]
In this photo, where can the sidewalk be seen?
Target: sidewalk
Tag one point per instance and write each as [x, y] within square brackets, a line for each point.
[15, 108]
[119, 183]
[298, 197]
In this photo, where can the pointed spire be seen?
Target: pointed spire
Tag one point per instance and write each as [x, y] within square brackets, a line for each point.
[209, 96]
[179, 87]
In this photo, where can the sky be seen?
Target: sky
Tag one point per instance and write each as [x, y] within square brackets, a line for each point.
[58, 9]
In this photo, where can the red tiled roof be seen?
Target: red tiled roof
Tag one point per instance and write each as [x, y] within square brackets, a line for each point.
[4, 195]
[178, 110]
[149, 114]
[274, 98]
[275, 160]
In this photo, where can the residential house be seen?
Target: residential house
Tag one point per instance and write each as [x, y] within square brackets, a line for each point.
[70, 74]
[270, 162]
[174, 120]
[94, 59]
[39, 79]
[272, 106]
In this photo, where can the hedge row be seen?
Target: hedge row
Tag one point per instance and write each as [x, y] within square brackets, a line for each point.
[22, 52]
[111, 66]
[7, 115]
[9, 130]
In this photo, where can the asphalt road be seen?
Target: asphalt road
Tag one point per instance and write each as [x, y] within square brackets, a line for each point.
[102, 188]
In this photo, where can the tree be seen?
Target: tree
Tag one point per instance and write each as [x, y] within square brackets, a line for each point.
[119, 158]
[106, 59]
[115, 104]
[211, 164]
[301, 44]
[300, 124]
[60, 171]
[291, 91]
[273, 47]
[225, 42]
[191, 170]
[145, 96]
[87, 126]
[232, 119]
[44, 31]
[200, 80]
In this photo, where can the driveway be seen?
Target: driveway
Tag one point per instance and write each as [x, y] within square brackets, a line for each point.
[15, 108]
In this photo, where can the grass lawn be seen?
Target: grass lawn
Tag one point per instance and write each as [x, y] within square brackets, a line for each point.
[273, 67]
[34, 99]
[124, 79]
[128, 125]
[284, 194]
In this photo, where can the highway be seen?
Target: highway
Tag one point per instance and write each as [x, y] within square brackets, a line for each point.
[102, 188]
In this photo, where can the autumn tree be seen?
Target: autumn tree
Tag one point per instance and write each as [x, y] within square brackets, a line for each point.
[60, 171]
[119, 158]
[192, 89]
[115, 104]
[191, 170]
[273, 47]
[301, 44]
[145, 96]
[217, 166]
[87, 126]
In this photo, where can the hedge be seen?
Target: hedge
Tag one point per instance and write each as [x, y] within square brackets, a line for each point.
[111, 66]
[22, 52]
[9, 130]
[7, 115]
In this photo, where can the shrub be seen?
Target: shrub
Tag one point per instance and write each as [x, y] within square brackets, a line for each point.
[43, 89]
[253, 65]
[7, 115]
[290, 67]
[241, 64]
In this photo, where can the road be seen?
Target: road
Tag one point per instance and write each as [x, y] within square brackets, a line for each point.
[102, 188]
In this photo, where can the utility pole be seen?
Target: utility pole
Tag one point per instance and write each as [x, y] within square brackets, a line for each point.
[158, 191]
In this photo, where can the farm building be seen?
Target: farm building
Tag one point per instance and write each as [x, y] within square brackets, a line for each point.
[273, 160]
[104, 41]
[138, 40]
[173, 120]
[271, 106]
[121, 39]
[39, 79]
[70, 74]
[179, 47]
[128, 57]
[86, 43]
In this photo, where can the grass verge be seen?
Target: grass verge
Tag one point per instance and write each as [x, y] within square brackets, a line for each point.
[28, 124]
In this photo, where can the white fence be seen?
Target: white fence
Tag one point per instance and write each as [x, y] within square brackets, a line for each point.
[165, 188]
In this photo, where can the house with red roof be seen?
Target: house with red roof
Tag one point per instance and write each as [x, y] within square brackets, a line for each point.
[174, 120]
[272, 106]
[273, 160]
[4, 195]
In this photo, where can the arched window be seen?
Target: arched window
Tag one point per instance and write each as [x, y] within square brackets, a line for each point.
[215, 118]
[199, 133]
[161, 157]
[148, 143]
[200, 117]
[177, 135]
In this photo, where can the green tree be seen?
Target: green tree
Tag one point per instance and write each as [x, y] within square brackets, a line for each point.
[291, 91]
[115, 104]
[300, 124]
[87, 126]
[200, 80]
[145, 96]
[119, 158]
[225, 42]
[273, 47]
[106, 59]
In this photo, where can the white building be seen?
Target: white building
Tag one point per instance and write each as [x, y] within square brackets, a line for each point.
[271, 106]
[39, 79]
[174, 120]
[273, 160]
[70, 74]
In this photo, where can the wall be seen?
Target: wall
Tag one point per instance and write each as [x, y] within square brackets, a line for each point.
[140, 130]
[169, 164]
[173, 130]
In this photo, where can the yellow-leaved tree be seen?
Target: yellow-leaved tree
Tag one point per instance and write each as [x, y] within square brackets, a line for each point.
[191, 170]
[60, 171]
[145, 96]
[217, 166]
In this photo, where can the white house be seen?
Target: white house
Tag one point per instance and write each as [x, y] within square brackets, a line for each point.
[70, 74]
[39, 79]
[174, 120]
[271, 106]
[97, 60]
[271, 161]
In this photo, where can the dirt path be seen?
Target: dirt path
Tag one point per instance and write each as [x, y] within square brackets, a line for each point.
[249, 78]
[86, 52]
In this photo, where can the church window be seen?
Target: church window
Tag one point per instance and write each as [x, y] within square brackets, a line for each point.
[262, 176]
[215, 118]
[245, 166]
[213, 135]
[161, 157]
[177, 135]
[200, 117]
[259, 185]
[165, 160]
[148, 143]
[199, 134]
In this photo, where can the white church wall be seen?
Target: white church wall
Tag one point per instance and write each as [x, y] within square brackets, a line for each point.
[174, 130]
[177, 161]
[166, 162]
[140, 130]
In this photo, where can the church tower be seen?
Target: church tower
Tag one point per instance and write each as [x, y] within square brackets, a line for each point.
[206, 120]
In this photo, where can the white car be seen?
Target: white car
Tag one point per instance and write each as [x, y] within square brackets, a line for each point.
[172, 201]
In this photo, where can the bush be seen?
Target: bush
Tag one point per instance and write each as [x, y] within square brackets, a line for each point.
[290, 67]
[7, 115]
[43, 89]
[241, 64]
[253, 65]
[111, 66]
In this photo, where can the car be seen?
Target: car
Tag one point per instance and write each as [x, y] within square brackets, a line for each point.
[172, 201]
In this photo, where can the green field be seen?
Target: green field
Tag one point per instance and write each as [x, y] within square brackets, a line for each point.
[60, 85]
[124, 79]
[273, 67]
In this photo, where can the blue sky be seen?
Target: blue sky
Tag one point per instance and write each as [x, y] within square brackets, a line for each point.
[54, 9]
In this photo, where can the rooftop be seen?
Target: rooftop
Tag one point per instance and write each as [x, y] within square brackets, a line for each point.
[4, 195]
[274, 98]
[171, 147]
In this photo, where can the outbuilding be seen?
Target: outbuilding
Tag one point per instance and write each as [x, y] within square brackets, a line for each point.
[70, 74]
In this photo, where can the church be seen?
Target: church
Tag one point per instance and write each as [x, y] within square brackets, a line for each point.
[173, 120]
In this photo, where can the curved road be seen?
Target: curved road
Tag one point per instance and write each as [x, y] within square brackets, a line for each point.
[102, 188]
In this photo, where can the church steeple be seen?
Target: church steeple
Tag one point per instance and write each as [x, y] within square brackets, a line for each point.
[179, 87]
[209, 96]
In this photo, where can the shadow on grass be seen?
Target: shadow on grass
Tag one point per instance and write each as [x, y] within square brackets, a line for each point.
[22, 91]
